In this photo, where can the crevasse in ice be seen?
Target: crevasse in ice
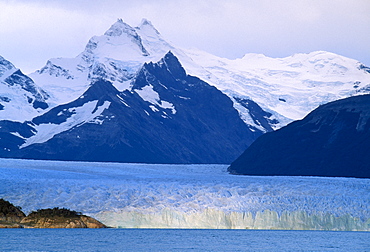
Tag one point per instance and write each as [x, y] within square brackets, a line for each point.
[187, 196]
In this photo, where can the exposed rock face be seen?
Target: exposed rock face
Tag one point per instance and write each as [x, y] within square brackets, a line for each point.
[91, 222]
[130, 96]
[332, 141]
[13, 217]
[62, 222]
[167, 117]
[20, 98]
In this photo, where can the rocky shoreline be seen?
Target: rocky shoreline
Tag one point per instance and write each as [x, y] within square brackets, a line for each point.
[12, 217]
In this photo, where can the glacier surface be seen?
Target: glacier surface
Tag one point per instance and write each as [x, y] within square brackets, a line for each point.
[187, 196]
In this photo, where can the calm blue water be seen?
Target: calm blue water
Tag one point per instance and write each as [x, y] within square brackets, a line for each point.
[180, 240]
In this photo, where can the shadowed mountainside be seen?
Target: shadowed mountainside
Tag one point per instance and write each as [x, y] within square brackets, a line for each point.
[333, 140]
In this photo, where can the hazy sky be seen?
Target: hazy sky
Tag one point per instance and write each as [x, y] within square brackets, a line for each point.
[32, 31]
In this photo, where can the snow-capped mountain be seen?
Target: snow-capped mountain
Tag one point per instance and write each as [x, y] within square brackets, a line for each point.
[288, 88]
[131, 82]
[115, 56]
[20, 98]
[166, 117]
[333, 140]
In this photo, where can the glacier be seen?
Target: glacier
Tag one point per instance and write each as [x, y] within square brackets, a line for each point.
[289, 87]
[187, 196]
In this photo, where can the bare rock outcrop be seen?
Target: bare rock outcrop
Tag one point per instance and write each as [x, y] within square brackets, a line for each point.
[12, 217]
[62, 222]
[60, 218]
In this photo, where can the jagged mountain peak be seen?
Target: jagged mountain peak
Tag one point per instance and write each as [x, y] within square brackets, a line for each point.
[123, 37]
[147, 27]
[168, 66]
[167, 117]
[140, 76]
[118, 34]
[145, 21]
[5, 67]
[20, 98]
[172, 64]
[286, 88]
[116, 56]
[119, 28]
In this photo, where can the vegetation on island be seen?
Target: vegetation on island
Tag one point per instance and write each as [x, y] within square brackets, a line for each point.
[7, 208]
[54, 212]
[12, 217]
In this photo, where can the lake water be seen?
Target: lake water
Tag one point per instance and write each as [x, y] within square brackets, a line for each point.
[180, 240]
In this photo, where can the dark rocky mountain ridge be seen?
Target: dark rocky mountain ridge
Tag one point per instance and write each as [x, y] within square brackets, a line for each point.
[333, 140]
[117, 101]
[187, 121]
[19, 92]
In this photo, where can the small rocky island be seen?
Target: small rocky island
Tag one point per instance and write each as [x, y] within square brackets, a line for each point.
[12, 217]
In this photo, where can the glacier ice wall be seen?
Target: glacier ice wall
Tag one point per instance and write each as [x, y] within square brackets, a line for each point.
[216, 219]
[187, 196]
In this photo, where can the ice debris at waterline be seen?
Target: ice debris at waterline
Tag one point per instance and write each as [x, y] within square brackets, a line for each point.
[187, 196]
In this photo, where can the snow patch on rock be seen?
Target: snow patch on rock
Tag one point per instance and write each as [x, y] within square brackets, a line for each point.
[80, 115]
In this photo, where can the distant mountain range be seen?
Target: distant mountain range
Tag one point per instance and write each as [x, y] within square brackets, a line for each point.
[166, 117]
[130, 96]
[331, 141]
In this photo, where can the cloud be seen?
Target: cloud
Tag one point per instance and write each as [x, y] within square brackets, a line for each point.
[33, 31]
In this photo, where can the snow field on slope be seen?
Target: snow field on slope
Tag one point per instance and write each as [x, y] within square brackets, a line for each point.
[14, 100]
[84, 114]
[119, 54]
[186, 196]
[148, 94]
[290, 87]
[16, 106]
